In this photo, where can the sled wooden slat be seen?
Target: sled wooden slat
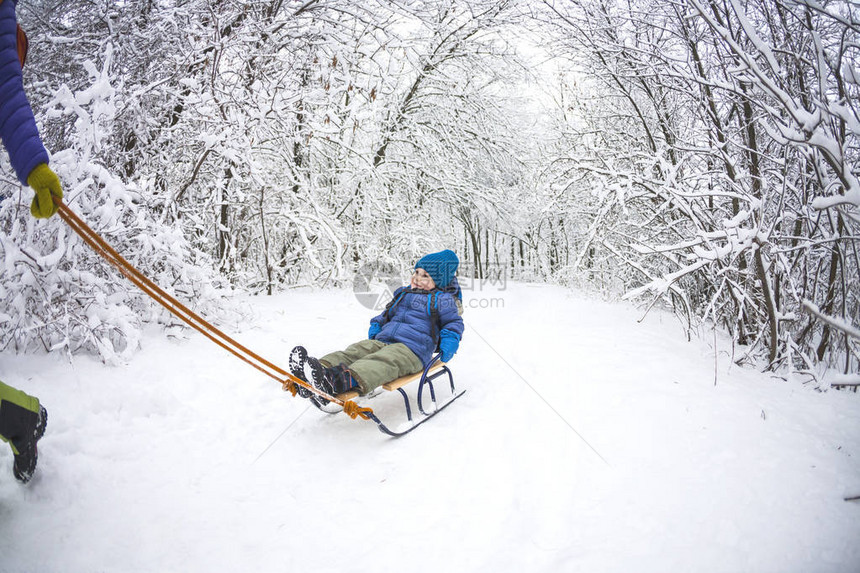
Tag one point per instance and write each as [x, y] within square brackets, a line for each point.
[394, 384]
[404, 380]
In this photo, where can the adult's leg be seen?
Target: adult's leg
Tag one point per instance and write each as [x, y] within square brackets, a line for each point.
[19, 415]
[22, 424]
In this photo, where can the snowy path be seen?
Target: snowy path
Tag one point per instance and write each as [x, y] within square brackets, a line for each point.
[586, 441]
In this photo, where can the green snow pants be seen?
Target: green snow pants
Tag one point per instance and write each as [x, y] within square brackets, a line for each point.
[19, 414]
[373, 363]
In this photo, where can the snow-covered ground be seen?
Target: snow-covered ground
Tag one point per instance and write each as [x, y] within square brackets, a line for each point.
[586, 441]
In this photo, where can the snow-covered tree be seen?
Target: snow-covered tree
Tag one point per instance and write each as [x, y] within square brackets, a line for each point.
[698, 153]
[716, 146]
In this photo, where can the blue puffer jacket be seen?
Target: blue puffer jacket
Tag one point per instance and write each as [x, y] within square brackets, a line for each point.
[17, 125]
[409, 320]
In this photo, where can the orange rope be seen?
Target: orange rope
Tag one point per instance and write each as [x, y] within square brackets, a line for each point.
[98, 244]
[352, 410]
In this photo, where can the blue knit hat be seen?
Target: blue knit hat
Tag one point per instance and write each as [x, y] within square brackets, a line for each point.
[441, 266]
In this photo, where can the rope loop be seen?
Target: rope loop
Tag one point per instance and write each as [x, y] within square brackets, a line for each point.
[290, 386]
[353, 410]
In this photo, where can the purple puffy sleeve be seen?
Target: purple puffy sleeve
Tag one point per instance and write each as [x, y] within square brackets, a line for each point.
[17, 124]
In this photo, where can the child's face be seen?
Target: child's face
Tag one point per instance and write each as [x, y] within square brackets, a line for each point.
[421, 280]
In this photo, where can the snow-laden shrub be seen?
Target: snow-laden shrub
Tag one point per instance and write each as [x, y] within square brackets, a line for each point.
[56, 293]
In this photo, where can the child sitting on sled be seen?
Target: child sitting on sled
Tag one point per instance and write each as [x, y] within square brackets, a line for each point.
[402, 339]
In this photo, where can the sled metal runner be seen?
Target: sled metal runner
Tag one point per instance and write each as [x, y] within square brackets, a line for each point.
[435, 369]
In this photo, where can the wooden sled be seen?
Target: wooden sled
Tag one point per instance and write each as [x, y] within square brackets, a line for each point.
[434, 370]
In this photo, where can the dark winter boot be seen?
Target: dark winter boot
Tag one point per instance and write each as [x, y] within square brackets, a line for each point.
[340, 378]
[319, 380]
[28, 455]
[298, 357]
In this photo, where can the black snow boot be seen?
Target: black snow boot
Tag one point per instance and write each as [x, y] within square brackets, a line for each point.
[320, 381]
[28, 454]
[298, 358]
[333, 380]
[340, 378]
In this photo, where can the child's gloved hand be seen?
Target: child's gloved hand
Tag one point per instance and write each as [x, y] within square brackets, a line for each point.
[449, 342]
[373, 330]
[46, 184]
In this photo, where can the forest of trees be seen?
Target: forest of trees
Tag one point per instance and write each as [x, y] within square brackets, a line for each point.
[696, 154]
